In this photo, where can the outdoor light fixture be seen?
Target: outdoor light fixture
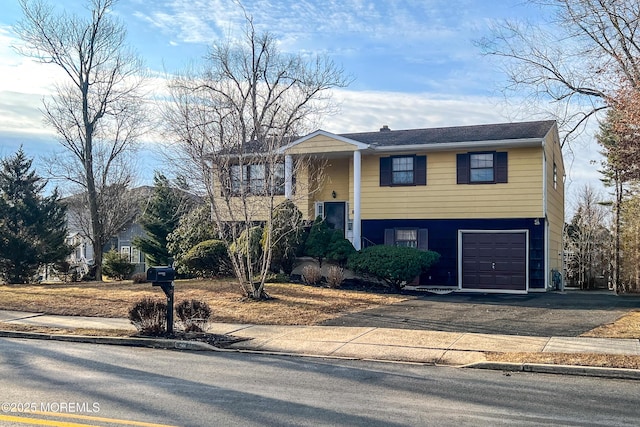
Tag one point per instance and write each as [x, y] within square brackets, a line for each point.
[333, 194]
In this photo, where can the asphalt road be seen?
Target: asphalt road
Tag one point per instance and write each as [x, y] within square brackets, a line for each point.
[566, 314]
[109, 385]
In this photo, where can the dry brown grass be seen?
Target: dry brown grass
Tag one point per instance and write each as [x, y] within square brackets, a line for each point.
[579, 359]
[628, 326]
[292, 304]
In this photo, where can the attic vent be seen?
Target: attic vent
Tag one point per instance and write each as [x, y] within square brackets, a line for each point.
[385, 128]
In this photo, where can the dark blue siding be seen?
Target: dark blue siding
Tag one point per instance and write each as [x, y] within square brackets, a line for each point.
[443, 238]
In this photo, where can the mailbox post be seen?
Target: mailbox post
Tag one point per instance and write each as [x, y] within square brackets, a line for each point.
[163, 277]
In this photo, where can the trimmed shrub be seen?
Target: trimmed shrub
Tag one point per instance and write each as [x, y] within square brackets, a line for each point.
[117, 266]
[208, 259]
[335, 276]
[149, 316]
[193, 315]
[311, 275]
[339, 248]
[396, 266]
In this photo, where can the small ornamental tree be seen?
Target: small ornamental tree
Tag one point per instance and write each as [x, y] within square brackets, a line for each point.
[394, 265]
[116, 265]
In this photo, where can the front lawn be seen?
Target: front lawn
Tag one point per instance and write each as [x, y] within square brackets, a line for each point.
[292, 304]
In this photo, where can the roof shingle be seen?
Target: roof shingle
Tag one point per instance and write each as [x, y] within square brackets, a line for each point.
[491, 132]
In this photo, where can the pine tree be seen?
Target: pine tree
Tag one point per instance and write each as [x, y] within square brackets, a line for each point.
[160, 217]
[32, 227]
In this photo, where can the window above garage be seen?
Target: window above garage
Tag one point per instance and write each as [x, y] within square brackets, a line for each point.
[482, 168]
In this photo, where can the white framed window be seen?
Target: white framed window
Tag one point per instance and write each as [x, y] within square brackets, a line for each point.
[481, 167]
[402, 170]
[126, 251]
[135, 255]
[319, 210]
[406, 237]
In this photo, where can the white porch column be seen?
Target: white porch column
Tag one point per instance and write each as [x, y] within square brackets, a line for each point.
[357, 232]
[288, 176]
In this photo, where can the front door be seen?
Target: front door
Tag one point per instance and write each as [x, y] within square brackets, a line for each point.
[334, 215]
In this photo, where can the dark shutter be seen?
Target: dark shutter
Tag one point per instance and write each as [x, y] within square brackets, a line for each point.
[501, 167]
[389, 236]
[423, 239]
[420, 170]
[462, 166]
[385, 171]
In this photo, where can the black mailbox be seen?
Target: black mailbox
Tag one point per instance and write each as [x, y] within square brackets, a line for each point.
[157, 275]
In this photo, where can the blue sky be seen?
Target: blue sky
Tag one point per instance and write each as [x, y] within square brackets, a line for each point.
[414, 62]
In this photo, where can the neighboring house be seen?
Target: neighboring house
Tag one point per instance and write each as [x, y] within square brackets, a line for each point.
[82, 256]
[488, 198]
[123, 243]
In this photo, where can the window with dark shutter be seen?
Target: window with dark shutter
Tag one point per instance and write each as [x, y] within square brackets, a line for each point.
[403, 170]
[462, 168]
[481, 168]
[385, 171]
[408, 237]
[423, 239]
[501, 168]
[421, 170]
[389, 237]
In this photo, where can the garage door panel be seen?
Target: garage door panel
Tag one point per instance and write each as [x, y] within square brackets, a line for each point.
[494, 261]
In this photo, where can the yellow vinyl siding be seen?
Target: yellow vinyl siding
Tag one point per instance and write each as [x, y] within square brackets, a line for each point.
[443, 198]
[321, 144]
[336, 178]
[555, 200]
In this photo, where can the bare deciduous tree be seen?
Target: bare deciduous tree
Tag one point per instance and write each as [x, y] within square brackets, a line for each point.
[96, 112]
[231, 121]
[588, 241]
[630, 243]
[577, 61]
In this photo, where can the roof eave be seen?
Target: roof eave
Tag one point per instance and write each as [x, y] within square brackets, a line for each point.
[464, 145]
[358, 145]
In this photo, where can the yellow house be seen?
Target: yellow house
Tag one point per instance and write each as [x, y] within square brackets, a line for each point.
[488, 198]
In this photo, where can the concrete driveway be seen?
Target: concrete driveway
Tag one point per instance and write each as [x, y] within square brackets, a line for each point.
[567, 314]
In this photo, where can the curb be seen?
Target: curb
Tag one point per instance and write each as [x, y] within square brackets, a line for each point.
[172, 344]
[167, 344]
[542, 368]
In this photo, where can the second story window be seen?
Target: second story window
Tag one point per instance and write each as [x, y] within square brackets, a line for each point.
[403, 171]
[254, 179]
[481, 167]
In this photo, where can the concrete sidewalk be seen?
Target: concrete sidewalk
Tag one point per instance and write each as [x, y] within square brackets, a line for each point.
[368, 343]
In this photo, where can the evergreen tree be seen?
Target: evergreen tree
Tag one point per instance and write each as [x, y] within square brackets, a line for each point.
[159, 219]
[32, 227]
